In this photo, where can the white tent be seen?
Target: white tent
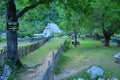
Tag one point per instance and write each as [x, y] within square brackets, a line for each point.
[51, 28]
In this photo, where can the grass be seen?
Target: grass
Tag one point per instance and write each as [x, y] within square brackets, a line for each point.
[38, 55]
[91, 52]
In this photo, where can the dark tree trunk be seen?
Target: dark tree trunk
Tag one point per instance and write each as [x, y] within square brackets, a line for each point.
[107, 39]
[75, 38]
[107, 36]
[12, 45]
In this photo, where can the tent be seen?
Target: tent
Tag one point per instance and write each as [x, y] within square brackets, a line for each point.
[51, 28]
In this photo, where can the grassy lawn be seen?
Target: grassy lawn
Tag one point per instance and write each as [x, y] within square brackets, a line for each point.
[38, 55]
[87, 54]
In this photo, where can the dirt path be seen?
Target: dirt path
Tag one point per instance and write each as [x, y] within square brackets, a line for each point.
[38, 72]
[68, 72]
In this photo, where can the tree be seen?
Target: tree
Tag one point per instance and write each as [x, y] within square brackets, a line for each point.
[106, 18]
[13, 16]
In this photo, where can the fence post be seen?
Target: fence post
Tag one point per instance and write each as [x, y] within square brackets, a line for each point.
[53, 65]
[53, 57]
[2, 56]
[49, 70]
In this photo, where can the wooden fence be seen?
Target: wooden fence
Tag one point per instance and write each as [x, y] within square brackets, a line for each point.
[22, 50]
[49, 73]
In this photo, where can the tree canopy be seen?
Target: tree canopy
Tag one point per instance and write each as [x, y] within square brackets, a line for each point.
[88, 12]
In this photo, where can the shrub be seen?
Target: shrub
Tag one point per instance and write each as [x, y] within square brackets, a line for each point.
[60, 65]
[2, 39]
[67, 44]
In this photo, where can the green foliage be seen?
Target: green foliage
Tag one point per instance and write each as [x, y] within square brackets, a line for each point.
[11, 64]
[63, 60]
[82, 14]
[2, 39]
[109, 21]
[82, 37]
[67, 44]
[11, 77]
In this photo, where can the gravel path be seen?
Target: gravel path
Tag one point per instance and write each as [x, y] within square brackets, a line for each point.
[38, 72]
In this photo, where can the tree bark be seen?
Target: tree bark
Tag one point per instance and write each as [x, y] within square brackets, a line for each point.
[107, 35]
[75, 38]
[12, 45]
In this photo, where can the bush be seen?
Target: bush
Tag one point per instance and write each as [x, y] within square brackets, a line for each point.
[2, 39]
[67, 44]
[60, 65]
[10, 63]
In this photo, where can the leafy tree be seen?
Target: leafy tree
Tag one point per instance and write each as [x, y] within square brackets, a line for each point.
[97, 15]
[12, 16]
[106, 18]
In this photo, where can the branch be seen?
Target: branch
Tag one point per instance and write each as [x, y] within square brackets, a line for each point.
[27, 8]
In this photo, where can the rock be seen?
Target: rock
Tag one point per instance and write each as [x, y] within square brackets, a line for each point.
[95, 71]
[117, 57]
[100, 78]
[79, 79]
[114, 79]
[6, 72]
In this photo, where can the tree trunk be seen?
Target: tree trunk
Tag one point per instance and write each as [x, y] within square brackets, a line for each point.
[12, 45]
[107, 36]
[106, 32]
[11, 16]
[107, 39]
[75, 38]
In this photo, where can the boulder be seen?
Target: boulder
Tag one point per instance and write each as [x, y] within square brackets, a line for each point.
[114, 79]
[79, 79]
[6, 72]
[95, 71]
[117, 57]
